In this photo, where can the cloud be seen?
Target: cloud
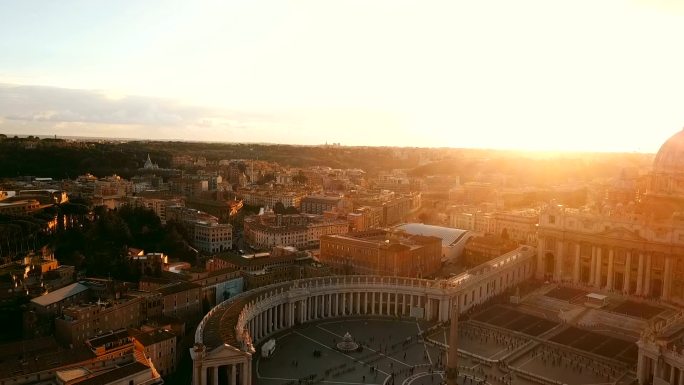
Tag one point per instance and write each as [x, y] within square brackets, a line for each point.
[52, 104]
[43, 110]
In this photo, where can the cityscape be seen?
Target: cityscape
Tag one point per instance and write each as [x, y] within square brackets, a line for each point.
[341, 193]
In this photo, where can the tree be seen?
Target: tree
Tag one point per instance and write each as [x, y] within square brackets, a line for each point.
[279, 208]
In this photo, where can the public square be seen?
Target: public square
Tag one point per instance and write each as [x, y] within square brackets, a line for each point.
[394, 353]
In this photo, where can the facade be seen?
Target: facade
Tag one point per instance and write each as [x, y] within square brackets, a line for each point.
[112, 187]
[479, 250]
[365, 218]
[255, 316]
[302, 231]
[158, 205]
[80, 322]
[382, 253]
[635, 249]
[20, 207]
[181, 299]
[519, 226]
[159, 346]
[661, 359]
[318, 204]
[270, 198]
[208, 235]
[212, 237]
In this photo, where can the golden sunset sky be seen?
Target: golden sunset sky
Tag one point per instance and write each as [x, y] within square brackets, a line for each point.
[528, 74]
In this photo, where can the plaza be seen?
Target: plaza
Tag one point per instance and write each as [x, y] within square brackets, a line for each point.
[394, 352]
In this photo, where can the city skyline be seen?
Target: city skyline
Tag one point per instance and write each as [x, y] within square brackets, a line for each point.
[532, 75]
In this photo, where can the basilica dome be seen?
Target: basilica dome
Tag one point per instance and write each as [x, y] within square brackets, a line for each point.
[670, 157]
[665, 194]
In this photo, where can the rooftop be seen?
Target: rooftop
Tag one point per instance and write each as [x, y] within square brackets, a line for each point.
[448, 235]
[153, 336]
[60, 294]
[177, 287]
[116, 374]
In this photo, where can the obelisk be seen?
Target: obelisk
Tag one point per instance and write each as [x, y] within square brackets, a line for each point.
[452, 354]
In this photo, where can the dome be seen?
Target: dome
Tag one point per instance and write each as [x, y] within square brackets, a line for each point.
[670, 157]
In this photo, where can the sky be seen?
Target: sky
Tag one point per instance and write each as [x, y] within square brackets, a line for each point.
[527, 74]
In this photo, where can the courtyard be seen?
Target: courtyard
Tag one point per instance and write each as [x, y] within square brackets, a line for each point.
[392, 352]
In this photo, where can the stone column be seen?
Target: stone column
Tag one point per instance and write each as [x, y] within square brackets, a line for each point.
[672, 375]
[328, 300]
[628, 273]
[667, 277]
[365, 302]
[681, 377]
[540, 256]
[592, 266]
[576, 267]
[360, 303]
[428, 308]
[403, 304]
[233, 374]
[557, 269]
[344, 304]
[640, 275]
[382, 295]
[611, 259]
[258, 326]
[598, 267]
[647, 276]
[396, 304]
[411, 304]
[641, 369]
[452, 354]
[215, 375]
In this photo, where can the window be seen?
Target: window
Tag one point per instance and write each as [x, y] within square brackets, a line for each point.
[552, 219]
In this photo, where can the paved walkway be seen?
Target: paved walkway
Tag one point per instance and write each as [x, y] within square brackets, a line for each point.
[393, 355]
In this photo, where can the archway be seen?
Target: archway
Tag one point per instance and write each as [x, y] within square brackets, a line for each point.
[549, 263]
[656, 288]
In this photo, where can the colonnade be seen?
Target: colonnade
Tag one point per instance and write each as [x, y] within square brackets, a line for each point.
[659, 370]
[609, 267]
[254, 316]
[341, 304]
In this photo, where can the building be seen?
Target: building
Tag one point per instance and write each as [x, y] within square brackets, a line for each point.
[221, 209]
[302, 231]
[156, 204]
[383, 253]
[181, 299]
[453, 240]
[365, 218]
[159, 346]
[79, 322]
[227, 336]
[208, 235]
[481, 249]
[212, 237]
[107, 359]
[20, 207]
[53, 302]
[112, 187]
[635, 249]
[318, 204]
[269, 198]
[519, 226]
